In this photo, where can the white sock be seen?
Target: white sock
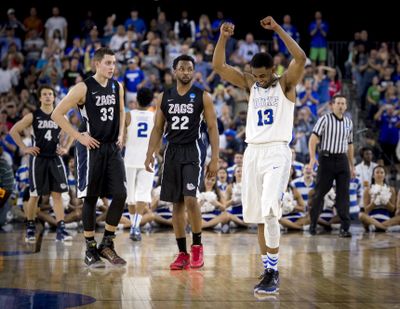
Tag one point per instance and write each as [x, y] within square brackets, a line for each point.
[132, 218]
[264, 259]
[272, 261]
[137, 219]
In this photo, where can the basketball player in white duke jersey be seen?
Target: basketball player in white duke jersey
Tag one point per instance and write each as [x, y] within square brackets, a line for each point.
[139, 123]
[267, 159]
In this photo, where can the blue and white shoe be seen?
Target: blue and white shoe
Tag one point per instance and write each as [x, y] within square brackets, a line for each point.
[135, 234]
[62, 234]
[269, 282]
[30, 233]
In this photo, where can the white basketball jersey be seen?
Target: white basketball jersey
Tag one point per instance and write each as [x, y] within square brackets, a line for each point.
[269, 116]
[138, 136]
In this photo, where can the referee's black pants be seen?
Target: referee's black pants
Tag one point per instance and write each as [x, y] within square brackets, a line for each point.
[332, 167]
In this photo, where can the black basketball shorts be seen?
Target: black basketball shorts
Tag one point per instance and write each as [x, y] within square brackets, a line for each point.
[100, 171]
[47, 174]
[183, 171]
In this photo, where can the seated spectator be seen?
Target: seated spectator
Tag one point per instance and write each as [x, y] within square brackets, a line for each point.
[379, 203]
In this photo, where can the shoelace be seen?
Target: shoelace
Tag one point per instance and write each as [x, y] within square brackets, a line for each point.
[267, 277]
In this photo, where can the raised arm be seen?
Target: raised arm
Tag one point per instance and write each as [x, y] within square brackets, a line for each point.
[75, 96]
[226, 71]
[211, 119]
[155, 136]
[294, 73]
[16, 131]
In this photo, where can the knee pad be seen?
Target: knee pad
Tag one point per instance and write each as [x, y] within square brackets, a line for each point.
[272, 231]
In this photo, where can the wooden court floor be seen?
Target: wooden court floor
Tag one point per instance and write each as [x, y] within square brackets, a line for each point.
[323, 271]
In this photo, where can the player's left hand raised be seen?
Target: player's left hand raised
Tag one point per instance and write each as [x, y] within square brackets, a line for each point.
[269, 23]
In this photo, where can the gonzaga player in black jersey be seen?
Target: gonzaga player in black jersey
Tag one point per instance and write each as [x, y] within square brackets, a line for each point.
[100, 167]
[183, 108]
[46, 169]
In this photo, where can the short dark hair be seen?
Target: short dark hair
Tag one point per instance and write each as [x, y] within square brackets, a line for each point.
[182, 58]
[41, 87]
[144, 97]
[261, 60]
[339, 95]
[101, 52]
[364, 149]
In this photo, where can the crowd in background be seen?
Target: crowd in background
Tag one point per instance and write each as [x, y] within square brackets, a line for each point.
[36, 51]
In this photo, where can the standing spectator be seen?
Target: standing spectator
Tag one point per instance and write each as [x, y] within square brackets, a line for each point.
[15, 24]
[318, 30]
[335, 132]
[279, 46]
[365, 168]
[118, 38]
[137, 23]
[185, 28]
[133, 80]
[56, 22]
[109, 29]
[248, 49]
[33, 22]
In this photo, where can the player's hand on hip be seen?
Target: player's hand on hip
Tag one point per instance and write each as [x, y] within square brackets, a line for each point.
[88, 141]
[34, 151]
[227, 29]
[212, 168]
[269, 23]
[149, 164]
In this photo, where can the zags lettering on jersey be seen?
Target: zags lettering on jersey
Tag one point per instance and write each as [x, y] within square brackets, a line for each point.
[102, 100]
[180, 109]
[47, 124]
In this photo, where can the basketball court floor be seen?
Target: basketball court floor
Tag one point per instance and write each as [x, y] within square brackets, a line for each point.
[323, 271]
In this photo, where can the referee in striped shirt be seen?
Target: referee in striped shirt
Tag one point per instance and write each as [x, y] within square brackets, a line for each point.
[334, 132]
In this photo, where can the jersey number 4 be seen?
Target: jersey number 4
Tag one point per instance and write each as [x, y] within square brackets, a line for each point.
[265, 117]
[180, 123]
[48, 135]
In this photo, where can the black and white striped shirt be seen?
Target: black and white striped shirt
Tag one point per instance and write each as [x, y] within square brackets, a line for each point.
[335, 134]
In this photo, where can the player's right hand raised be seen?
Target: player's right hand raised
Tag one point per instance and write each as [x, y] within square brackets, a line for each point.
[149, 164]
[88, 141]
[227, 29]
[34, 151]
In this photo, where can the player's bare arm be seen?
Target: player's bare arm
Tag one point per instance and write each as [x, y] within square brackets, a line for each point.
[155, 136]
[76, 96]
[16, 131]
[127, 123]
[211, 120]
[121, 134]
[226, 71]
[294, 73]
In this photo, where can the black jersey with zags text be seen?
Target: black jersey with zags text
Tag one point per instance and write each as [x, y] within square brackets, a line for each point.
[100, 112]
[184, 115]
[46, 133]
